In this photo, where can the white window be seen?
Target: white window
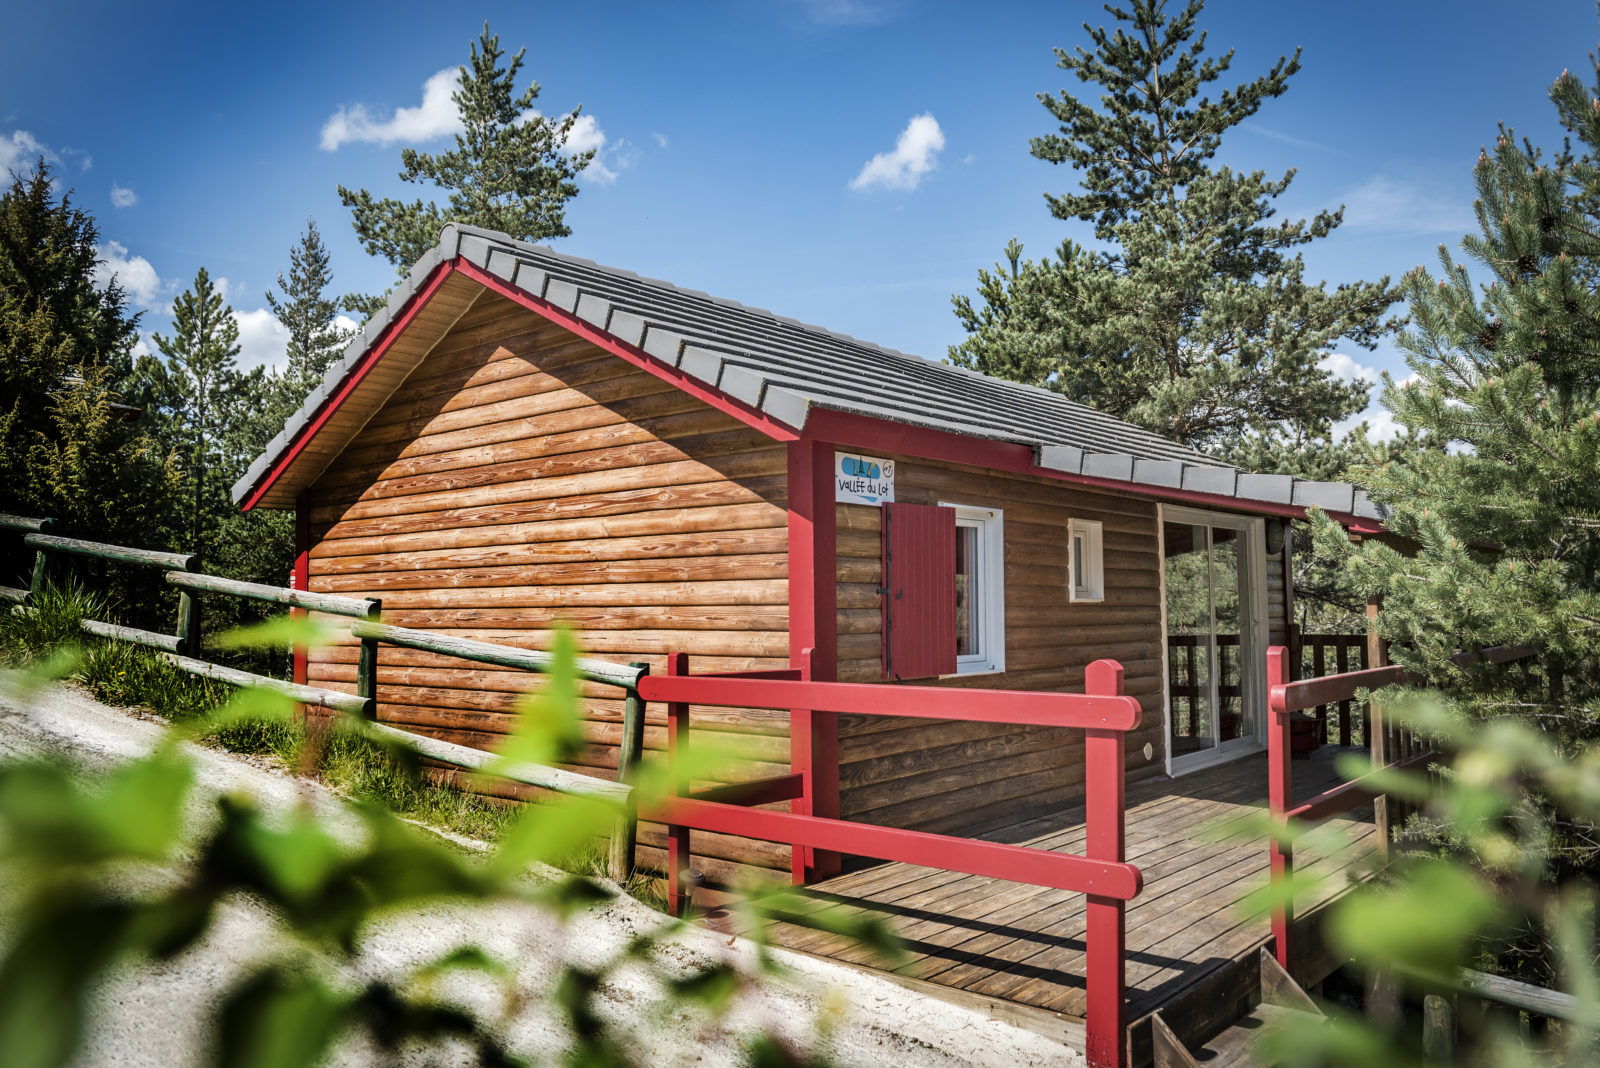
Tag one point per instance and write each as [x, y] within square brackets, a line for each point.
[980, 589]
[1085, 560]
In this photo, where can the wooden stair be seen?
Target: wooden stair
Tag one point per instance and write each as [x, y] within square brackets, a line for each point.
[1283, 1003]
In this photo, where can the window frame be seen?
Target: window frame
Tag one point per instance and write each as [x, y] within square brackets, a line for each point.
[990, 604]
[1093, 589]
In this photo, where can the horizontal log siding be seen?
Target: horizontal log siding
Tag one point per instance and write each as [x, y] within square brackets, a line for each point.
[942, 776]
[522, 476]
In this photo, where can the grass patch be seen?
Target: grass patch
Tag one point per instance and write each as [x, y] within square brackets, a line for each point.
[123, 674]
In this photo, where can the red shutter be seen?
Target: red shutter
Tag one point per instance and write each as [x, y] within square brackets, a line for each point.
[919, 601]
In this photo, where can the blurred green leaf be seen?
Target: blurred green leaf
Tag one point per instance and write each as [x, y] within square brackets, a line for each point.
[47, 975]
[1424, 922]
[280, 1018]
[280, 632]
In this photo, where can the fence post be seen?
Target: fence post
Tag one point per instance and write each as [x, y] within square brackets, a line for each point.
[41, 565]
[367, 665]
[188, 632]
[1106, 937]
[677, 836]
[625, 837]
[1280, 798]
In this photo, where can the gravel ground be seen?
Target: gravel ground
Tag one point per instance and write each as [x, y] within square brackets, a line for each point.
[153, 1016]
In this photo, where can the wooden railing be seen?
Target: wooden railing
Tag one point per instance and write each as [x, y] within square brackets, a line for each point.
[182, 649]
[1392, 750]
[1103, 712]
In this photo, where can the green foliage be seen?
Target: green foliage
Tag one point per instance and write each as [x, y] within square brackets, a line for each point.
[1496, 525]
[510, 169]
[1191, 315]
[68, 450]
[309, 314]
[53, 621]
[70, 851]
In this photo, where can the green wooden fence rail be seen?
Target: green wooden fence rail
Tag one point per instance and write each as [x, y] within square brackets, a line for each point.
[182, 650]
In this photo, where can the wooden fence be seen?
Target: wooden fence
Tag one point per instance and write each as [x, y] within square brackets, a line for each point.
[183, 647]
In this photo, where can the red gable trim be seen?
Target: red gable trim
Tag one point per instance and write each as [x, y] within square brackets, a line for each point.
[751, 417]
[331, 404]
[854, 431]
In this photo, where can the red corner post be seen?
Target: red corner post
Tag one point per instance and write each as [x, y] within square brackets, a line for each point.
[677, 835]
[813, 642]
[1280, 796]
[300, 578]
[1104, 808]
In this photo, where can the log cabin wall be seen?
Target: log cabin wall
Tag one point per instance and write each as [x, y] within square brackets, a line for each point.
[951, 777]
[522, 476]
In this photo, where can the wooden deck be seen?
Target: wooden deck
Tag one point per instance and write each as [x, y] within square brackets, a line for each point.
[1023, 946]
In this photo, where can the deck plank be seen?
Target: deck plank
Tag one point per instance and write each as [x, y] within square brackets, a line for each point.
[1024, 944]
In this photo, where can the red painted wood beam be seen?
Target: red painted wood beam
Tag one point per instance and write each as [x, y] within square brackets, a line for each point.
[1105, 841]
[1039, 867]
[300, 578]
[1280, 795]
[852, 431]
[678, 856]
[1088, 711]
[813, 643]
[1348, 795]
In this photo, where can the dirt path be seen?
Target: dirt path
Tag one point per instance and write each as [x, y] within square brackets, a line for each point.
[151, 1016]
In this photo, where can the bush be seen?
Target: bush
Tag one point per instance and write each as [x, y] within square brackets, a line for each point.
[53, 620]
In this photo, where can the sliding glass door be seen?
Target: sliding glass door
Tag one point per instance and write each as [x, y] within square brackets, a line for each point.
[1213, 574]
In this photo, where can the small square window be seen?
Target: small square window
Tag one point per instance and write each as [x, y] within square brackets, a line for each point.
[1085, 560]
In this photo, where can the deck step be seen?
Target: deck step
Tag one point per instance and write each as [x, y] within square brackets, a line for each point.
[1283, 1004]
[1241, 1043]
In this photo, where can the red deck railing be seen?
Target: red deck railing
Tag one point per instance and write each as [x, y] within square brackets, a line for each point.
[1284, 698]
[1103, 712]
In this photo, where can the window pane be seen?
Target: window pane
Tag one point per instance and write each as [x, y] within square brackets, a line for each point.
[1077, 562]
[967, 591]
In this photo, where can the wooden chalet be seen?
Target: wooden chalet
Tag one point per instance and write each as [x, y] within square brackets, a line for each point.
[525, 436]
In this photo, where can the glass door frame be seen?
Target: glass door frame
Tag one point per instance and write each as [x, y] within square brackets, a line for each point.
[1252, 637]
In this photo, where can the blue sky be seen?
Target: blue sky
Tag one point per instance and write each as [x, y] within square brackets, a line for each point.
[738, 136]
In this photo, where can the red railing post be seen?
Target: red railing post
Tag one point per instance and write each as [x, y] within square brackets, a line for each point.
[677, 834]
[1280, 795]
[1104, 807]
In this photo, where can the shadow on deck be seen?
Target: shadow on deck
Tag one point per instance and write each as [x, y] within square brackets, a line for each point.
[1018, 950]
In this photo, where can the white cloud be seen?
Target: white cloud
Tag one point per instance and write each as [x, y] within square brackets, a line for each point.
[661, 139]
[915, 154]
[138, 278]
[584, 135]
[20, 152]
[1346, 369]
[610, 157]
[1400, 206]
[122, 196]
[435, 117]
[262, 339]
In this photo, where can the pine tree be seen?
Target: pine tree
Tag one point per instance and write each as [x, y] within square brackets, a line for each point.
[198, 391]
[510, 170]
[1499, 528]
[1191, 315]
[56, 321]
[310, 316]
[1505, 510]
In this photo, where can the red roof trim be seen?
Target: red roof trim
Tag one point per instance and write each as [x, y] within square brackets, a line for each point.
[331, 404]
[751, 417]
[854, 431]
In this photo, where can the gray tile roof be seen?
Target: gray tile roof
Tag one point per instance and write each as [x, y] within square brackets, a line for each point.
[785, 368]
